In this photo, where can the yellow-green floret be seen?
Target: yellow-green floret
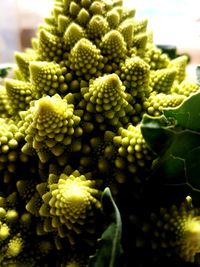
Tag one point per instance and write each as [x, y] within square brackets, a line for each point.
[176, 229]
[53, 128]
[68, 205]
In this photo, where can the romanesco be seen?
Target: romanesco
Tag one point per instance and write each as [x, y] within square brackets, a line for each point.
[70, 126]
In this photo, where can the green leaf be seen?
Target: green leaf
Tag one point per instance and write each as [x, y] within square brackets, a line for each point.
[188, 114]
[4, 71]
[109, 249]
[175, 137]
[156, 131]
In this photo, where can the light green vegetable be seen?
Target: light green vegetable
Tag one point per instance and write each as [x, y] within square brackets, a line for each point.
[70, 127]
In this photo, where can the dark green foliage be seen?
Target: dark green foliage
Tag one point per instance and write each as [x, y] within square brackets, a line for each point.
[109, 248]
[175, 137]
[4, 71]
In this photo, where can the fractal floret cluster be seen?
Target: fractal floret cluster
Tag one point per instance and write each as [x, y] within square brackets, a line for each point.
[70, 127]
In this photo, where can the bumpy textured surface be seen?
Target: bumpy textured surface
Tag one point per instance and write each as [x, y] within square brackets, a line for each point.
[70, 126]
[183, 222]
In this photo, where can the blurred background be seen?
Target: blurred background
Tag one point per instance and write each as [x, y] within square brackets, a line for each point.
[19, 20]
[174, 22]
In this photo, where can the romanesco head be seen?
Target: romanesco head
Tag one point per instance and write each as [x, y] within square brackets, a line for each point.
[70, 126]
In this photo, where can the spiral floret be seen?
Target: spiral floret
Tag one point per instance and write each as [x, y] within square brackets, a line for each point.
[127, 29]
[50, 46]
[63, 23]
[113, 46]
[23, 60]
[53, 126]
[19, 95]
[161, 81]
[73, 34]
[133, 153]
[97, 28]
[69, 203]
[86, 59]
[177, 230]
[179, 64]
[113, 19]
[106, 99]
[83, 17]
[47, 78]
[134, 73]
[74, 9]
[155, 58]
